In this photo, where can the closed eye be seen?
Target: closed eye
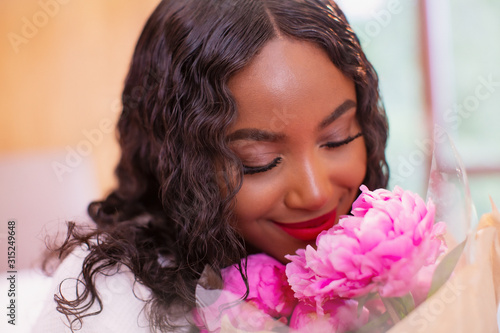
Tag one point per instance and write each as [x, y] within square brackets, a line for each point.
[252, 170]
[336, 144]
[248, 170]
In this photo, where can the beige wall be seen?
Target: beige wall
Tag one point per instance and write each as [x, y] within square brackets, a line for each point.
[62, 66]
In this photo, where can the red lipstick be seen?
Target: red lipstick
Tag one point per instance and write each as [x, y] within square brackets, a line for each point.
[309, 230]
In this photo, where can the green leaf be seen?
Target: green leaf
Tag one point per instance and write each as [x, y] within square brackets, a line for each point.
[445, 268]
[398, 307]
[406, 303]
[362, 301]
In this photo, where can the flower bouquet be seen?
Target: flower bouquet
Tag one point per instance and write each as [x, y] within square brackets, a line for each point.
[389, 266]
[386, 252]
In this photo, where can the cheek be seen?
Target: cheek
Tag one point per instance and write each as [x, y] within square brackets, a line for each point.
[255, 199]
[349, 173]
[354, 170]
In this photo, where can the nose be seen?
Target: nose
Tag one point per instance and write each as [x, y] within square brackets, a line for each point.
[309, 186]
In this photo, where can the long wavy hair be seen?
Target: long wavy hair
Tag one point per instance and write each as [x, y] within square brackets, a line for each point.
[171, 214]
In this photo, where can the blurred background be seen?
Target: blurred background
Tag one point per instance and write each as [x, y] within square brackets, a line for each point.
[63, 63]
[438, 63]
[62, 67]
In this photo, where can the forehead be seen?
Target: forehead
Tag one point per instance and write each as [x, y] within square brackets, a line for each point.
[288, 78]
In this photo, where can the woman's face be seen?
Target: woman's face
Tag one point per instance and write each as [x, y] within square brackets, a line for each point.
[300, 143]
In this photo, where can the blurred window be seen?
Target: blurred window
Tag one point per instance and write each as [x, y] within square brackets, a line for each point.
[437, 63]
[389, 33]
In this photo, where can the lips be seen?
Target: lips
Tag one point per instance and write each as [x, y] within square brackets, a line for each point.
[309, 230]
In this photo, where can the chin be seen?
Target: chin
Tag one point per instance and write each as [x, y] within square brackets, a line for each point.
[290, 249]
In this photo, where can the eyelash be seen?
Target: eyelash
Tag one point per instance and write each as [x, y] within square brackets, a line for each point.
[343, 142]
[253, 170]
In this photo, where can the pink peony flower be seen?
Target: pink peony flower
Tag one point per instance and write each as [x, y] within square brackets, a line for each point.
[388, 239]
[268, 286]
[341, 316]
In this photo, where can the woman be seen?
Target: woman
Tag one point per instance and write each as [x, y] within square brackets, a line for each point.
[248, 126]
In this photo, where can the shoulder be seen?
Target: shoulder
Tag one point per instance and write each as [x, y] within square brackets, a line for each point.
[123, 300]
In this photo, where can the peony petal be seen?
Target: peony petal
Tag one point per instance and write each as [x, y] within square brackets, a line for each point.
[394, 249]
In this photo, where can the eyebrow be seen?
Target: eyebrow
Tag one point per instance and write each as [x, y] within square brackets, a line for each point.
[339, 111]
[255, 134]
